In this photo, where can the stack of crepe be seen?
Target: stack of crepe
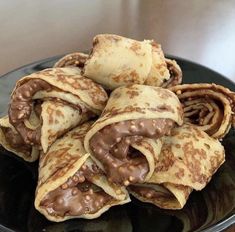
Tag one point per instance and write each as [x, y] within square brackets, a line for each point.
[148, 135]
[47, 104]
[140, 141]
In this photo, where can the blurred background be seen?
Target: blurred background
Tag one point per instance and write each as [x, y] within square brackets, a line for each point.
[198, 30]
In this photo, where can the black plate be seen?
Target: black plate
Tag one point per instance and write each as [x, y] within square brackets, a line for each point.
[212, 209]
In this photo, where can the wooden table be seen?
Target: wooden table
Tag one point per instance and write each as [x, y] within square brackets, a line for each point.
[199, 30]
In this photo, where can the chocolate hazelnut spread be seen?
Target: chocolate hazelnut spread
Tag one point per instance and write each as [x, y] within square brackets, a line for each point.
[77, 196]
[38, 108]
[16, 141]
[21, 107]
[150, 193]
[75, 59]
[111, 146]
[175, 76]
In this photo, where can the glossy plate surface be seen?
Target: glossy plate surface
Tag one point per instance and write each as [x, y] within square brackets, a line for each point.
[212, 209]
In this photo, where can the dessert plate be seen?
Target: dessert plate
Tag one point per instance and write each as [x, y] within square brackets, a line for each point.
[212, 209]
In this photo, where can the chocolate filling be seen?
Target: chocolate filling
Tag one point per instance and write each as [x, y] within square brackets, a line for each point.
[77, 196]
[38, 107]
[175, 76]
[21, 107]
[75, 59]
[111, 146]
[16, 141]
[150, 193]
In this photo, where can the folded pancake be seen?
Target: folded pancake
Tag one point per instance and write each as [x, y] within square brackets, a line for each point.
[159, 72]
[76, 59]
[211, 107]
[70, 184]
[116, 61]
[132, 113]
[56, 100]
[187, 161]
[12, 141]
[176, 74]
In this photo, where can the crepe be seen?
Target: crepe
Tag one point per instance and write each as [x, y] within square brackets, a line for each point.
[133, 112]
[176, 75]
[76, 59]
[70, 185]
[46, 104]
[211, 107]
[164, 72]
[115, 61]
[12, 141]
[187, 161]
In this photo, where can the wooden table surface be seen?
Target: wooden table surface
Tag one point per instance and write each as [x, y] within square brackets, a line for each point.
[199, 30]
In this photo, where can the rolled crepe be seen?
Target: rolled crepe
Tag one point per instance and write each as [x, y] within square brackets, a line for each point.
[76, 59]
[116, 61]
[12, 141]
[187, 161]
[211, 107]
[56, 100]
[176, 74]
[71, 185]
[133, 112]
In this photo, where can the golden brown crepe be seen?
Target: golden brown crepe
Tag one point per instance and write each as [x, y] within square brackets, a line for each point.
[132, 113]
[12, 141]
[176, 74]
[187, 161]
[71, 185]
[116, 61]
[76, 59]
[46, 104]
[159, 72]
[209, 106]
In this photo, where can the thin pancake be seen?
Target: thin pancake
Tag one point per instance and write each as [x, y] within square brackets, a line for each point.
[176, 74]
[64, 172]
[187, 161]
[65, 97]
[12, 141]
[159, 72]
[209, 106]
[116, 61]
[132, 113]
[76, 59]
